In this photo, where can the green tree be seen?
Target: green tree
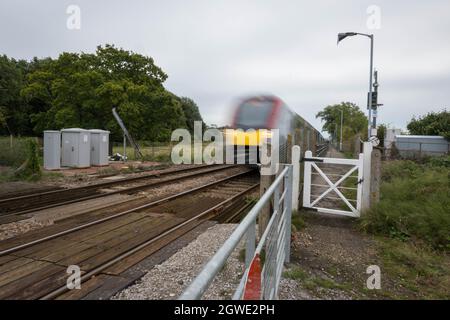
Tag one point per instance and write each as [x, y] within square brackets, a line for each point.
[79, 90]
[191, 113]
[433, 123]
[14, 110]
[354, 120]
[381, 133]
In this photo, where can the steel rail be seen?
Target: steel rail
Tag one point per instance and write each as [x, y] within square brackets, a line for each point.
[101, 184]
[111, 262]
[100, 195]
[153, 203]
[239, 212]
[199, 285]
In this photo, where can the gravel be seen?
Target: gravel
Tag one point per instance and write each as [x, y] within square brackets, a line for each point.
[291, 289]
[169, 279]
[13, 229]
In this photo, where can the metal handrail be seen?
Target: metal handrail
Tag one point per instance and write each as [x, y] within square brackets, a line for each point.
[201, 283]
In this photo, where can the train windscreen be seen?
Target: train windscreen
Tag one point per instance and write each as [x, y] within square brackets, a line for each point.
[253, 114]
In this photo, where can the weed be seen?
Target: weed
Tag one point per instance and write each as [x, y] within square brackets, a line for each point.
[312, 282]
[414, 204]
[241, 256]
[297, 221]
[296, 273]
[418, 268]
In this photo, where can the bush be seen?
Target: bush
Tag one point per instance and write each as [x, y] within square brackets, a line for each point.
[414, 204]
[443, 161]
[297, 220]
[30, 169]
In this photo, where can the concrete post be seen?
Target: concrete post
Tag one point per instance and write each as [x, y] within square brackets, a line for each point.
[296, 152]
[288, 208]
[357, 147]
[375, 176]
[367, 151]
[307, 181]
[289, 149]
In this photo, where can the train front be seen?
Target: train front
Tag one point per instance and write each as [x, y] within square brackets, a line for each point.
[252, 121]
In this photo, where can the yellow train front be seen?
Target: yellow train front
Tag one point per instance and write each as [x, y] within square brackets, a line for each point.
[252, 121]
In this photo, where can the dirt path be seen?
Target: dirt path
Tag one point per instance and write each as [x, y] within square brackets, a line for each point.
[330, 255]
[329, 260]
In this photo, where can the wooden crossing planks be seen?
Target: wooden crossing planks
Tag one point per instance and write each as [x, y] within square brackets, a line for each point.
[126, 263]
[43, 267]
[32, 272]
[93, 231]
[32, 285]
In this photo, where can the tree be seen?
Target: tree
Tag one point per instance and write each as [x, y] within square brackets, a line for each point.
[381, 133]
[14, 110]
[79, 90]
[354, 120]
[433, 123]
[191, 112]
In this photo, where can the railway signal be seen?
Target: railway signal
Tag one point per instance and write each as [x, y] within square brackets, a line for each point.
[375, 103]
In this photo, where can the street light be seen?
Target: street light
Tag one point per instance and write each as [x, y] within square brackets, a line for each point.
[342, 36]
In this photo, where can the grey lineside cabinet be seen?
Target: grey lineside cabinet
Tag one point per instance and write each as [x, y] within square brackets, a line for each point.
[76, 148]
[52, 149]
[99, 147]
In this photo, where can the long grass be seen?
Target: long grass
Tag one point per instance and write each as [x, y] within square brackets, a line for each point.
[13, 154]
[414, 203]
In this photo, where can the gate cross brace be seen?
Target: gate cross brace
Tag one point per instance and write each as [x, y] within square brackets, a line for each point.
[333, 186]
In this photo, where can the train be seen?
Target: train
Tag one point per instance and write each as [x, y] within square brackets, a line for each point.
[270, 112]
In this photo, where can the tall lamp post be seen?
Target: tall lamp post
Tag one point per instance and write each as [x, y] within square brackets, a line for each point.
[342, 36]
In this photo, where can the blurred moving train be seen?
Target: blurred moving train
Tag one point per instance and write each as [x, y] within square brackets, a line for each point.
[270, 112]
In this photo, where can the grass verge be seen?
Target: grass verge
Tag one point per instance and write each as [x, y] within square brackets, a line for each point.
[412, 224]
[414, 204]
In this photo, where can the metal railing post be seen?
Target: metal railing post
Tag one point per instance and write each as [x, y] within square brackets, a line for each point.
[270, 263]
[276, 200]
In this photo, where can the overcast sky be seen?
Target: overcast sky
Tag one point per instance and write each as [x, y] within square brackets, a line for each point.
[217, 50]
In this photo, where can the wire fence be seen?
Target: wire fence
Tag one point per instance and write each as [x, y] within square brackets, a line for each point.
[418, 150]
[14, 150]
[151, 151]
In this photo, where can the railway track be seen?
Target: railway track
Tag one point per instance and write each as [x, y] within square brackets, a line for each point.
[43, 200]
[34, 265]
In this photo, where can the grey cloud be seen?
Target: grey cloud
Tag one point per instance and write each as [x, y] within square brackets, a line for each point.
[214, 51]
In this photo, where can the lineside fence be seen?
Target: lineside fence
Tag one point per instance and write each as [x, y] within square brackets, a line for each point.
[418, 150]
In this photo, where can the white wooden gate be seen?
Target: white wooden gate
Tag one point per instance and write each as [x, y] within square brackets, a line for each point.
[314, 193]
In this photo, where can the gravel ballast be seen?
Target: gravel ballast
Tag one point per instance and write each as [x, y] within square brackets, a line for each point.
[169, 279]
[10, 230]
